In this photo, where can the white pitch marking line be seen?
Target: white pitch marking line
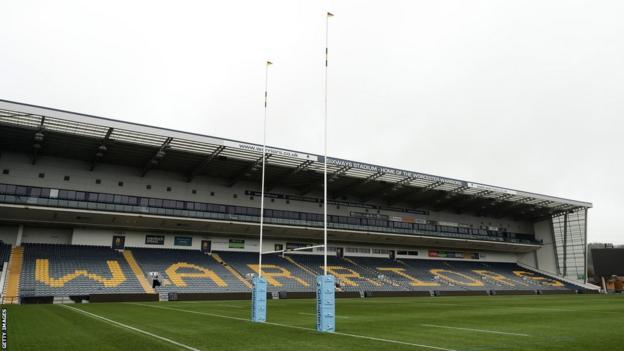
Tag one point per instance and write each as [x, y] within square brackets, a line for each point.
[474, 330]
[214, 304]
[297, 327]
[394, 341]
[118, 324]
[314, 314]
[226, 305]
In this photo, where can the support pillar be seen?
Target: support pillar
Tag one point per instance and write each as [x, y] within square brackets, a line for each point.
[20, 232]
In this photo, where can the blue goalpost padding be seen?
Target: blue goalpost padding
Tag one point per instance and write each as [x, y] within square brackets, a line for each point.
[258, 300]
[325, 304]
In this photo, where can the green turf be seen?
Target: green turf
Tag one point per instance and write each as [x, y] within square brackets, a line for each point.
[590, 322]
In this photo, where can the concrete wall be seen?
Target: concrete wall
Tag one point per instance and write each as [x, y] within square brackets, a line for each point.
[47, 235]
[8, 234]
[544, 258]
[104, 237]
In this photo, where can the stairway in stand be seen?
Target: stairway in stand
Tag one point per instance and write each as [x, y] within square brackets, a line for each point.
[11, 293]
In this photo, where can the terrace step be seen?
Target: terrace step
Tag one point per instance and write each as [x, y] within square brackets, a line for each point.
[138, 272]
[234, 272]
[11, 294]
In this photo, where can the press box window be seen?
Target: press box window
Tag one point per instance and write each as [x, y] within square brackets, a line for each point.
[66, 178]
[41, 175]
[98, 181]
[5, 171]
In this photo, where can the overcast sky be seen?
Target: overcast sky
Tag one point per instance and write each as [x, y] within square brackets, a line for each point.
[521, 94]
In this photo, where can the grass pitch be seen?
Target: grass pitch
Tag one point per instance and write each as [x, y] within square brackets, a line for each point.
[569, 323]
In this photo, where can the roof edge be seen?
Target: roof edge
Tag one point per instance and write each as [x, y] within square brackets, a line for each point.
[163, 131]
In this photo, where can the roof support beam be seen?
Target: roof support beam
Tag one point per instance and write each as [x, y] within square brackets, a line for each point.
[401, 184]
[337, 174]
[248, 170]
[429, 197]
[158, 156]
[523, 207]
[358, 182]
[416, 190]
[332, 177]
[101, 150]
[472, 200]
[453, 195]
[200, 166]
[301, 167]
[560, 209]
[499, 206]
[390, 188]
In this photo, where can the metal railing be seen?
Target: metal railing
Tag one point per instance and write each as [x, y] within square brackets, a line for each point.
[36, 196]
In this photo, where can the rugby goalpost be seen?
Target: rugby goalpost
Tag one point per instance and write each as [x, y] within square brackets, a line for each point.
[325, 284]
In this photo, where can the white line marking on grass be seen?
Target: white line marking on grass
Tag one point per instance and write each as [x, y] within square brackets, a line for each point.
[474, 330]
[300, 328]
[394, 341]
[121, 325]
[226, 305]
[314, 314]
[214, 304]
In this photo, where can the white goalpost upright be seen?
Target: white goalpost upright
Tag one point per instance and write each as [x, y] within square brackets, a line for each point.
[259, 289]
[325, 285]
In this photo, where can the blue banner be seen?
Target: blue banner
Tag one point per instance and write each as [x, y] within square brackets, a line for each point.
[325, 304]
[258, 300]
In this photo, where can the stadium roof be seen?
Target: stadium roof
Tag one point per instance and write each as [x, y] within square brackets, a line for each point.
[47, 131]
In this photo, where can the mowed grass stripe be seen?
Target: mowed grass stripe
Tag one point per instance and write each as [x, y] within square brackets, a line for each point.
[129, 327]
[579, 326]
[300, 328]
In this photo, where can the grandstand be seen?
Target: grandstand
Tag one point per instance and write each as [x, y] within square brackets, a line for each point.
[93, 207]
[74, 270]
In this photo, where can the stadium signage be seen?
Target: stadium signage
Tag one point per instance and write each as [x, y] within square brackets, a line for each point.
[183, 241]
[448, 224]
[4, 328]
[154, 240]
[408, 219]
[393, 171]
[236, 244]
[293, 246]
[492, 188]
[368, 215]
[454, 254]
[269, 150]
